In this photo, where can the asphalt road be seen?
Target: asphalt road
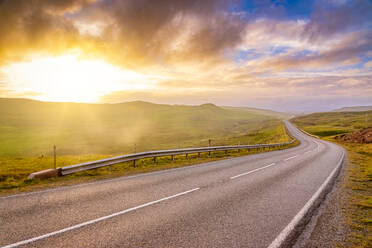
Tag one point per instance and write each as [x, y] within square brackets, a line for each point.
[239, 202]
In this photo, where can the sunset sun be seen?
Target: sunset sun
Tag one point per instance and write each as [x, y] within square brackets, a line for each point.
[69, 78]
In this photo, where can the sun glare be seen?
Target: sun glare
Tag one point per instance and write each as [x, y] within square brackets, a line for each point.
[68, 78]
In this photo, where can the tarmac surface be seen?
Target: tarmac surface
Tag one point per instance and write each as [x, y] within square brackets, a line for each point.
[239, 202]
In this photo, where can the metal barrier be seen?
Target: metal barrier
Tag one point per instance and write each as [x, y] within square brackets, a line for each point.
[154, 154]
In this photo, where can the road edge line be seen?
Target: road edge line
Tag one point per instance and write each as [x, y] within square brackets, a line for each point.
[290, 233]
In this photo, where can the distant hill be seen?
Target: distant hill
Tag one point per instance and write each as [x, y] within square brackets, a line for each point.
[333, 123]
[29, 127]
[266, 112]
[353, 109]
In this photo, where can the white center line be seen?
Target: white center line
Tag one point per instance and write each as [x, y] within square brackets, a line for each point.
[289, 158]
[97, 220]
[308, 152]
[252, 171]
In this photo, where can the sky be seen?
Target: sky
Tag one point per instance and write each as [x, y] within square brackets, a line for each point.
[305, 56]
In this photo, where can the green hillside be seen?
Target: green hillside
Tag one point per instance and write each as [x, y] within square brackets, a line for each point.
[87, 132]
[332, 123]
[266, 112]
[31, 128]
[353, 109]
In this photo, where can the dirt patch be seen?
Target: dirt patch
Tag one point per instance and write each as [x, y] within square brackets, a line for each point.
[362, 136]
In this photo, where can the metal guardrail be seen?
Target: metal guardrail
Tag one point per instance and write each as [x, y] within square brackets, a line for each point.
[162, 153]
[307, 133]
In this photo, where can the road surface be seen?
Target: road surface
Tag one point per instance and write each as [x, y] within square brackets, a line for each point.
[238, 202]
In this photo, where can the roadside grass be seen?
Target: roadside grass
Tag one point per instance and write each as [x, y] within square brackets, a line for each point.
[358, 189]
[360, 182]
[16, 181]
[88, 132]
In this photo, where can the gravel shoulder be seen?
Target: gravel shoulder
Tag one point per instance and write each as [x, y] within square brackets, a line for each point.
[328, 227]
[344, 219]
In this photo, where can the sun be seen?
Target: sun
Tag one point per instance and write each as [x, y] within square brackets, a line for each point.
[69, 78]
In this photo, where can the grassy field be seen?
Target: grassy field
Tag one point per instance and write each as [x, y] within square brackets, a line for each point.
[333, 123]
[86, 132]
[358, 189]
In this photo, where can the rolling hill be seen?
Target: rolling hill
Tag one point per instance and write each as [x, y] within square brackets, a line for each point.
[31, 128]
[265, 112]
[333, 123]
[353, 109]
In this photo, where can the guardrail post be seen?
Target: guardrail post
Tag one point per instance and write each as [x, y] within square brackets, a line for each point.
[154, 154]
[209, 144]
[55, 156]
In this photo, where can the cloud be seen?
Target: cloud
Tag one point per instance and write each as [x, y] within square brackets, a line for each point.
[335, 35]
[343, 53]
[171, 32]
[202, 51]
[329, 20]
[36, 26]
[132, 33]
[283, 94]
[144, 33]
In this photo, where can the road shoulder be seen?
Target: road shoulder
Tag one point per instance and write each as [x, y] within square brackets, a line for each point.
[343, 220]
[328, 226]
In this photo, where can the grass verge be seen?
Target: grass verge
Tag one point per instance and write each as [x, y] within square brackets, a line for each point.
[358, 189]
[14, 184]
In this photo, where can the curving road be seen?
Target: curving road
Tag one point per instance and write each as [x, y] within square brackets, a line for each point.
[239, 202]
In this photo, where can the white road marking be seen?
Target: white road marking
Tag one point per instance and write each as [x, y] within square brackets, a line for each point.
[123, 178]
[308, 152]
[317, 146]
[97, 220]
[290, 158]
[306, 209]
[252, 171]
